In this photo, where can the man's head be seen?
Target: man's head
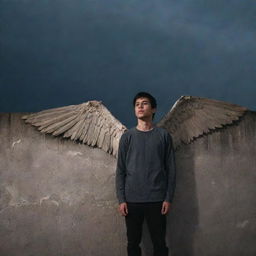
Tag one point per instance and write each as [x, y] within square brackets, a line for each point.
[144, 105]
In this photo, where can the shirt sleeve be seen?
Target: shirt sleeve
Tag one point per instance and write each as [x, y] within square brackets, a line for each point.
[170, 169]
[121, 170]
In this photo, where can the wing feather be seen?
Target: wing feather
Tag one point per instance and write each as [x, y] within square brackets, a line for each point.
[191, 117]
[59, 127]
[91, 130]
[90, 122]
[47, 120]
[101, 137]
[97, 131]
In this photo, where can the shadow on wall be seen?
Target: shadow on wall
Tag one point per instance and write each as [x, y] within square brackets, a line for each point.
[183, 219]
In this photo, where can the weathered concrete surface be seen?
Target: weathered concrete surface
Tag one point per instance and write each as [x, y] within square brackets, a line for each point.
[214, 212]
[57, 197]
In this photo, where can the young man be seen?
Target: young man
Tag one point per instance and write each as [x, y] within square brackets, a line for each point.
[145, 177]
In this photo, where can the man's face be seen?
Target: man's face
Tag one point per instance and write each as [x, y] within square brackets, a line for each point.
[143, 109]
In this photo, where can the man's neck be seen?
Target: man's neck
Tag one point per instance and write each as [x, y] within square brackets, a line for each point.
[144, 125]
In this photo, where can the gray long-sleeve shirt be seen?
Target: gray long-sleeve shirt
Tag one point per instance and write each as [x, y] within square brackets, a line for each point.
[145, 170]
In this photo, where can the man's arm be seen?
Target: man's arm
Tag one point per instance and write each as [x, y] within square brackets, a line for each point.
[170, 169]
[121, 175]
[121, 170]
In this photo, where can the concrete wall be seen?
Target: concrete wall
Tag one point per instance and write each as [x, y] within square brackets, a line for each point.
[57, 197]
[215, 205]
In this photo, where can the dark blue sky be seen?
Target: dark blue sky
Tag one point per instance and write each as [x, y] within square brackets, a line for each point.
[60, 52]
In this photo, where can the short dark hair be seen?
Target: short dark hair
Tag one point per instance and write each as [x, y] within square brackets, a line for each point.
[147, 95]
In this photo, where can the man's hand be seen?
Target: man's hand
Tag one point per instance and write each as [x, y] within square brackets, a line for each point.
[123, 209]
[165, 207]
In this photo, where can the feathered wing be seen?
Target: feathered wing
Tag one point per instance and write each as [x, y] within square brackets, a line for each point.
[90, 122]
[191, 117]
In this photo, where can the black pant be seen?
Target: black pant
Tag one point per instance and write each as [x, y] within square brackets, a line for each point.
[156, 224]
